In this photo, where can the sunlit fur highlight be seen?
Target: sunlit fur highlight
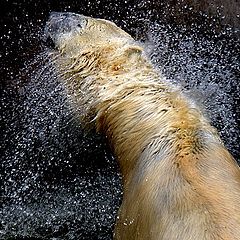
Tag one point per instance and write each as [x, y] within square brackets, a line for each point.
[180, 182]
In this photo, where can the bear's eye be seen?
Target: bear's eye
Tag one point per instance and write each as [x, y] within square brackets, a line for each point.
[82, 23]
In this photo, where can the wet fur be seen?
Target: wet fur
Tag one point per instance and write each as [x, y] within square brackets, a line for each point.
[179, 180]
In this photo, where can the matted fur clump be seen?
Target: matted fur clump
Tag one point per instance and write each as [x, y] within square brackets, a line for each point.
[179, 180]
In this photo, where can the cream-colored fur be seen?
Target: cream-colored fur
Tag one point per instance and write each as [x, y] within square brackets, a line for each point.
[180, 182]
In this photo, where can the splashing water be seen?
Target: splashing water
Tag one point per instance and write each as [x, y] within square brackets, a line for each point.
[54, 175]
[206, 68]
[61, 183]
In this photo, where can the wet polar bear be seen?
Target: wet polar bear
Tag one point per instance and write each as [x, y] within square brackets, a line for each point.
[180, 182]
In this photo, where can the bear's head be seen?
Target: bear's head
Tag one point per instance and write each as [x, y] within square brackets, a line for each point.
[73, 34]
[95, 58]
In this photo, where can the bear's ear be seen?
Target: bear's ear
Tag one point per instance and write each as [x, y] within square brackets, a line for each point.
[133, 49]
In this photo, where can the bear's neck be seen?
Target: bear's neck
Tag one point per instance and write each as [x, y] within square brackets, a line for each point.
[146, 113]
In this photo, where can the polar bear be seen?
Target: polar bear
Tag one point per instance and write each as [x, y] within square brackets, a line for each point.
[179, 180]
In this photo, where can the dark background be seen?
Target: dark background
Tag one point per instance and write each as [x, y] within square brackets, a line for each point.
[21, 19]
[78, 188]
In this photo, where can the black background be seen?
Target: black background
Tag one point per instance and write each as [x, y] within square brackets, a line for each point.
[21, 26]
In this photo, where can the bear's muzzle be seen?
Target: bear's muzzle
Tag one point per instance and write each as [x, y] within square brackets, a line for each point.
[61, 24]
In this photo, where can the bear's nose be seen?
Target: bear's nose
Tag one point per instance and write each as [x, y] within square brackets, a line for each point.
[63, 22]
[60, 23]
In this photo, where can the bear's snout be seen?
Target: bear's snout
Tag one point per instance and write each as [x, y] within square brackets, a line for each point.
[60, 24]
